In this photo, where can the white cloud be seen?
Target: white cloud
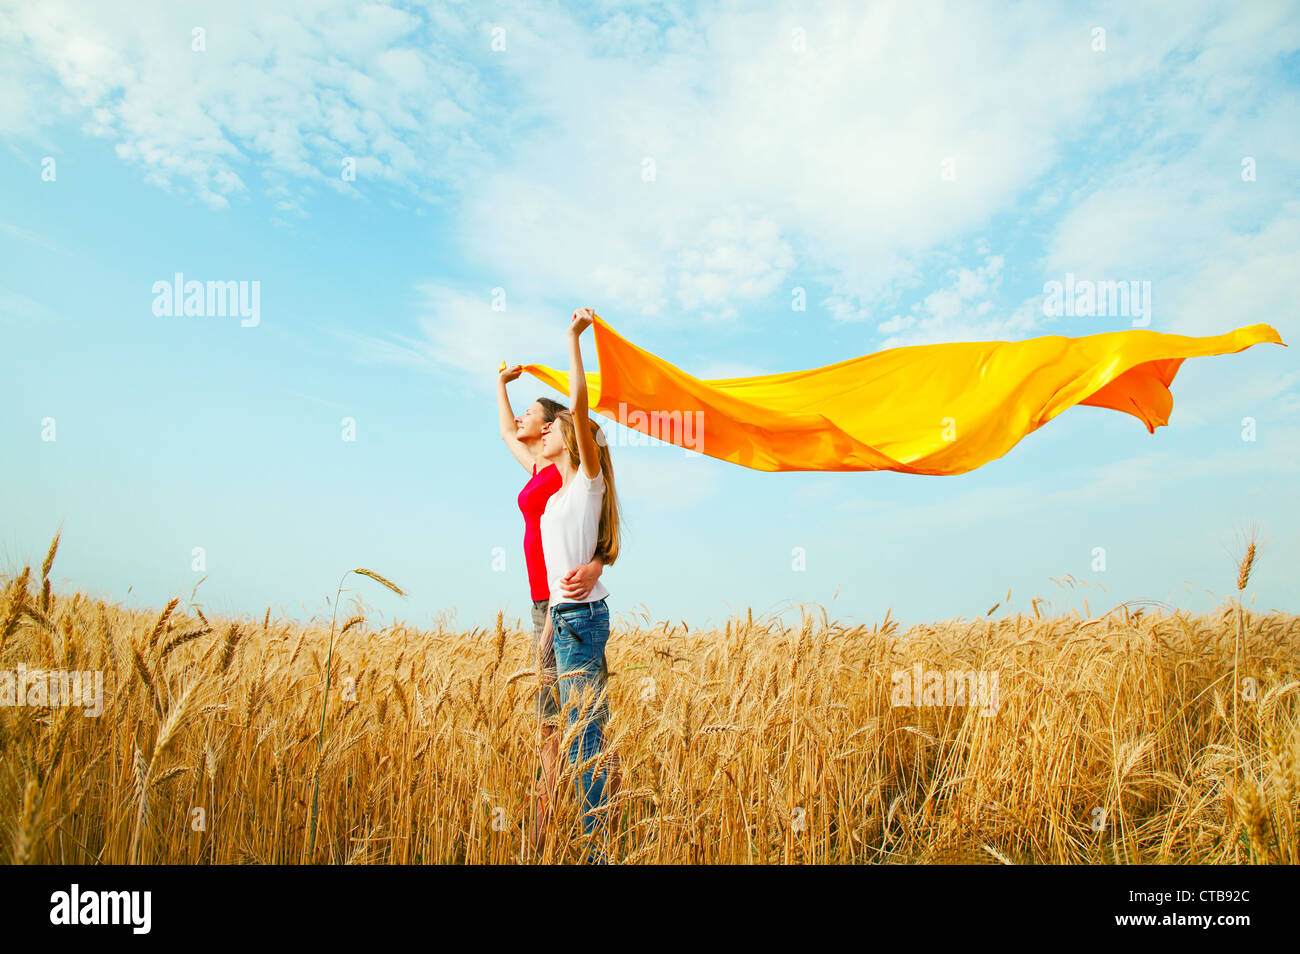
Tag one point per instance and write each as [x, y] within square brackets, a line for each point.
[19, 308]
[1230, 281]
[459, 331]
[842, 144]
[293, 88]
[773, 166]
[32, 238]
[1146, 476]
[737, 257]
[963, 310]
[663, 477]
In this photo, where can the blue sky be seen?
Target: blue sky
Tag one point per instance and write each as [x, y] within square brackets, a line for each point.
[920, 170]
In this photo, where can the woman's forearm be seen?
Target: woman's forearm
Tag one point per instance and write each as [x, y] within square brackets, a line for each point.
[504, 411]
[577, 379]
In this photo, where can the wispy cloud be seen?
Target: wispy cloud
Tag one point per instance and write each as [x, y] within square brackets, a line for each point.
[296, 89]
[31, 238]
[663, 477]
[461, 331]
[316, 400]
[16, 307]
[689, 167]
[965, 309]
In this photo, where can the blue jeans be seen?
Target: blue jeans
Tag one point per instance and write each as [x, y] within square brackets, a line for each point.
[580, 631]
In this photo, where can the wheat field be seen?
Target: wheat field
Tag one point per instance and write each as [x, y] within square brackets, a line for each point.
[1132, 737]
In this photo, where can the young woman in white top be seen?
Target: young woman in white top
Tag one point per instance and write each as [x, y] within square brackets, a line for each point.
[580, 523]
[523, 435]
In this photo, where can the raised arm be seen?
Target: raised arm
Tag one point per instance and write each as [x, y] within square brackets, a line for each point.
[587, 450]
[507, 417]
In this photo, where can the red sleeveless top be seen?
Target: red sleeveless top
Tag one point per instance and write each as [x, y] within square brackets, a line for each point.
[532, 501]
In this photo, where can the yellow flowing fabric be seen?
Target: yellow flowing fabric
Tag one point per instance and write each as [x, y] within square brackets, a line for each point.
[925, 409]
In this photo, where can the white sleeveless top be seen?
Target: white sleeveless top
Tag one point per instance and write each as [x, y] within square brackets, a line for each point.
[570, 524]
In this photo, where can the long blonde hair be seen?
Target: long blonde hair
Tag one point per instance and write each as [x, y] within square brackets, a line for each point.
[607, 534]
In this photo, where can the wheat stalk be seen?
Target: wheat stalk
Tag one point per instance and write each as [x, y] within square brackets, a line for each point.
[315, 799]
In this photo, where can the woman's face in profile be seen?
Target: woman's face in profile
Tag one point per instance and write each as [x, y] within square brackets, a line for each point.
[552, 441]
[529, 424]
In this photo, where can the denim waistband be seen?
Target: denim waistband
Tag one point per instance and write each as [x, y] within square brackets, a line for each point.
[570, 608]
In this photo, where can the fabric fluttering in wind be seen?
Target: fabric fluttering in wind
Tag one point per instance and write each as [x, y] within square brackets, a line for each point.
[937, 409]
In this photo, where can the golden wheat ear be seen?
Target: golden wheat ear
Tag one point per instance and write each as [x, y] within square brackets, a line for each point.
[379, 579]
[1243, 570]
[49, 557]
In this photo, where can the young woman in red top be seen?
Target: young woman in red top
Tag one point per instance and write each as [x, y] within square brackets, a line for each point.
[523, 435]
